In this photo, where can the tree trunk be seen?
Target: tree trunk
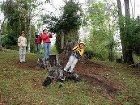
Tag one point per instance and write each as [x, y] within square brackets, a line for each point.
[62, 40]
[127, 10]
[121, 25]
[29, 39]
[126, 48]
[29, 31]
[128, 58]
[111, 54]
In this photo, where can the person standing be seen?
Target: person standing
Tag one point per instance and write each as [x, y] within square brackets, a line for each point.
[22, 43]
[46, 43]
[38, 41]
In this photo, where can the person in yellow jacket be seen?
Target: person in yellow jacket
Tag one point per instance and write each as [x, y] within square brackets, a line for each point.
[77, 52]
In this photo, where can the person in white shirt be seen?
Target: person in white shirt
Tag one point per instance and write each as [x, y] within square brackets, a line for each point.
[22, 43]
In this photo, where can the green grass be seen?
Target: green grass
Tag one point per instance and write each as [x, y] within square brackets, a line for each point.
[23, 85]
[136, 58]
[130, 78]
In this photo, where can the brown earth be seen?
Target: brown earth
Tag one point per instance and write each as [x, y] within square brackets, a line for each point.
[91, 72]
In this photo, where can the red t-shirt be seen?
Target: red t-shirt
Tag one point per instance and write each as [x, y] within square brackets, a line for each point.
[46, 38]
[38, 40]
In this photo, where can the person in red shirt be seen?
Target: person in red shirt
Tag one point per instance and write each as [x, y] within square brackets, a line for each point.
[46, 43]
[38, 41]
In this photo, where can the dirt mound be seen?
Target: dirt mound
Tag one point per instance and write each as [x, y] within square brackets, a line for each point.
[91, 73]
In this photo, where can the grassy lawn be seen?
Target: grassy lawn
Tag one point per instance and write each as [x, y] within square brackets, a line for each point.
[130, 78]
[22, 85]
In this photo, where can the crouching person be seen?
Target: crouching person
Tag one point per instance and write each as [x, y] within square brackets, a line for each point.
[77, 52]
[22, 43]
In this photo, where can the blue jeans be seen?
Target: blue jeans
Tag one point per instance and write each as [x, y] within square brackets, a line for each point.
[38, 50]
[47, 50]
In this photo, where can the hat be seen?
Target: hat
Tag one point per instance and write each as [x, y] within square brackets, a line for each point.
[82, 43]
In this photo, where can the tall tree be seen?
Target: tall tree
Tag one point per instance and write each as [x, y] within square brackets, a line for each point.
[121, 27]
[128, 58]
[18, 15]
[13, 16]
[31, 8]
[71, 21]
[102, 21]
[124, 32]
[67, 25]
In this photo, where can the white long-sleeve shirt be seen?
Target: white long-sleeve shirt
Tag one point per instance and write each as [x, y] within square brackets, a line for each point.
[22, 41]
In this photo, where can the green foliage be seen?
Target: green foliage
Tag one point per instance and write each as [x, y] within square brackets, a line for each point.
[102, 17]
[58, 42]
[8, 41]
[68, 23]
[17, 19]
[15, 16]
[136, 58]
[70, 19]
[33, 45]
[134, 35]
[54, 50]
[130, 38]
